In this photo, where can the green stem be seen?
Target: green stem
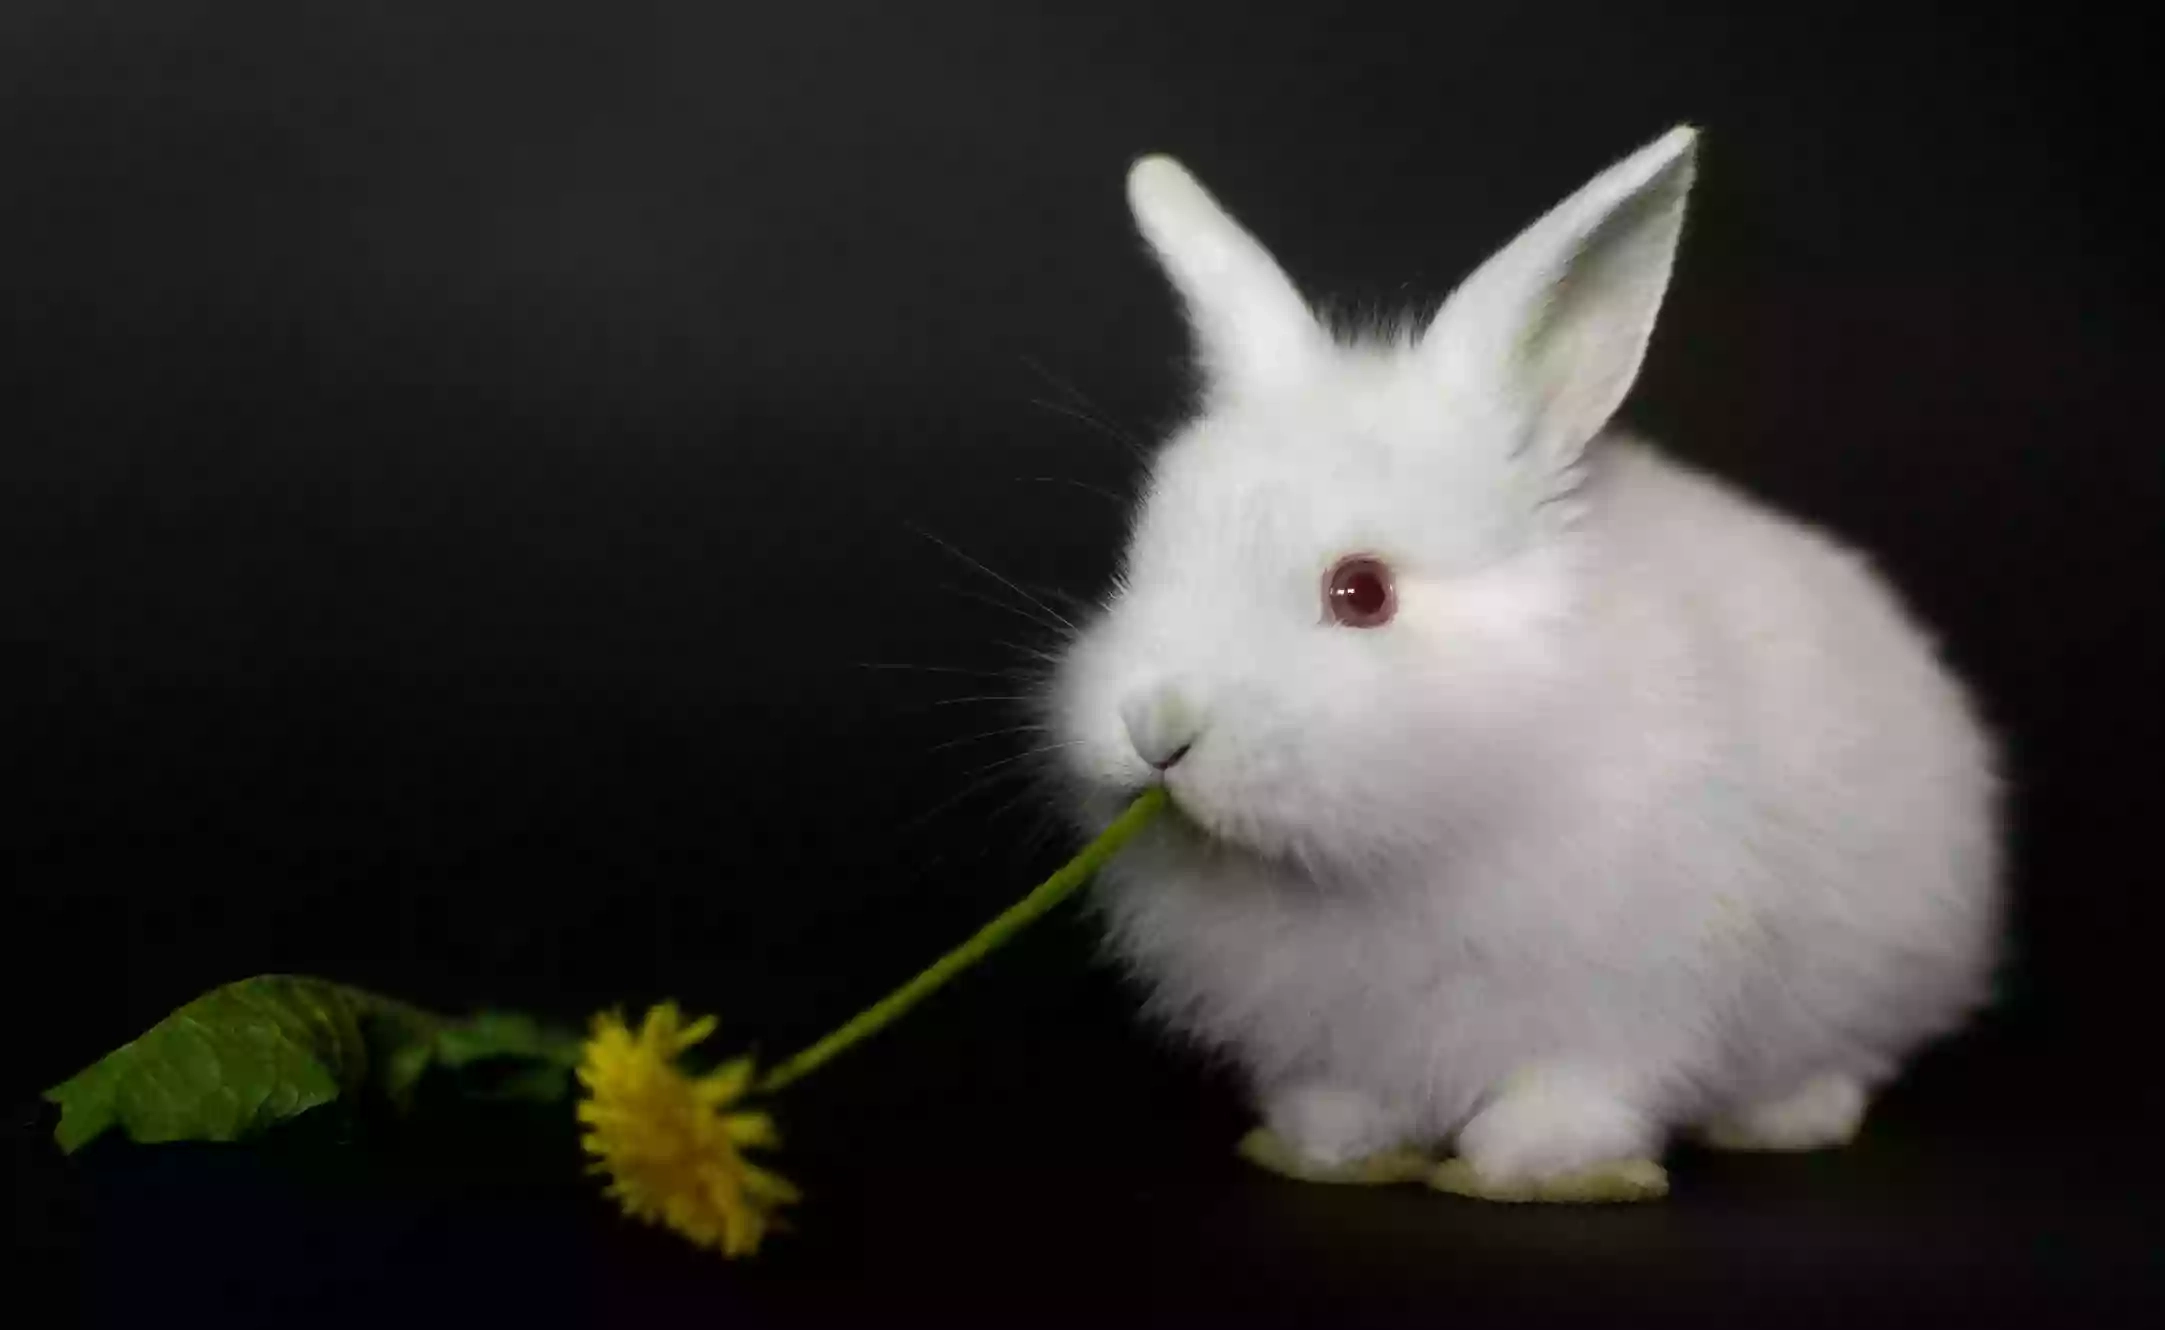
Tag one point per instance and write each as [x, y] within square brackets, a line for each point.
[1046, 895]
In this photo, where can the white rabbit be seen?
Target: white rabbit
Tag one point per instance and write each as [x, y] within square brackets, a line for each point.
[1538, 795]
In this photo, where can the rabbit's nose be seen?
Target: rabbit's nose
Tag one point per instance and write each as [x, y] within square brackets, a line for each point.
[1163, 724]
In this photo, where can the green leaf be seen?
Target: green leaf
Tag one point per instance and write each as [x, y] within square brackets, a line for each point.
[490, 1035]
[252, 1054]
[539, 1057]
[403, 1068]
[227, 1065]
[536, 1082]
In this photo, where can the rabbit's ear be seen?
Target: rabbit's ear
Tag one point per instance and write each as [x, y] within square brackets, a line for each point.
[1554, 327]
[1250, 324]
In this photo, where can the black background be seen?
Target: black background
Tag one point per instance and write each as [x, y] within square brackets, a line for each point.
[462, 458]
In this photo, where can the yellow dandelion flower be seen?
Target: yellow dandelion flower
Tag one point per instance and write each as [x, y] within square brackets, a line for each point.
[671, 1147]
[673, 1150]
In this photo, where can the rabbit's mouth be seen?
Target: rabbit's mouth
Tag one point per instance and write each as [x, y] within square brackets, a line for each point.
[1183, 816]
[1187, 820]
[1205, 824]
[1201, 817]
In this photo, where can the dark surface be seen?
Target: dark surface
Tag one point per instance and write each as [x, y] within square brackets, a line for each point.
[457, 465]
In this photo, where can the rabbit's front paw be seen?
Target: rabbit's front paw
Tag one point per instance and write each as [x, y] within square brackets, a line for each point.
[1603, 1184]
[1325, 1134]
[1554, 1135]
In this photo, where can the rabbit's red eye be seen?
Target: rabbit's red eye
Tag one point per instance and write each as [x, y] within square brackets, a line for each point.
[1358, 592]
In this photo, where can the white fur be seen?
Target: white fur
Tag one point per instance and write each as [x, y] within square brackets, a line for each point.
[1650, 808]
